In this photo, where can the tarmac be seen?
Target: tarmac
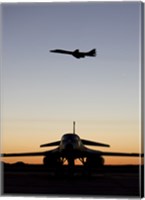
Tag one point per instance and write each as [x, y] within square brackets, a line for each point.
[108, 182]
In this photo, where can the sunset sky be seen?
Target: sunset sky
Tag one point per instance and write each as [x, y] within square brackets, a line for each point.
[43, 93]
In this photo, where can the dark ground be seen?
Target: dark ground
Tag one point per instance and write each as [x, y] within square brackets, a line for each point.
[110, 181]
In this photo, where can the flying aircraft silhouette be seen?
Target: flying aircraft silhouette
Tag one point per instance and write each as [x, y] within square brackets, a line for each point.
[76, 53]
[72, 147]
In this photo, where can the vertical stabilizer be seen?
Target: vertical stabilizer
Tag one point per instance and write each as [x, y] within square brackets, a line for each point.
[74, 123]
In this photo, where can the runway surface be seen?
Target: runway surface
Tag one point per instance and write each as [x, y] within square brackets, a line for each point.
[109, 182]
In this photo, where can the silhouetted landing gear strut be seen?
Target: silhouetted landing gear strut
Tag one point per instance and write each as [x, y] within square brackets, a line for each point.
[70, 167]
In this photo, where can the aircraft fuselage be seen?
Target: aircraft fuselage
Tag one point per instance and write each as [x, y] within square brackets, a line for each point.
[71, 146]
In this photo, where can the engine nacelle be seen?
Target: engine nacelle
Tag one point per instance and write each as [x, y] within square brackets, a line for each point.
[94, 162]
[52, 162]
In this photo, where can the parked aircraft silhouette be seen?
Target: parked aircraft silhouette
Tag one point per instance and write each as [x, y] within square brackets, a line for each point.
[76, 53]
[72, 147]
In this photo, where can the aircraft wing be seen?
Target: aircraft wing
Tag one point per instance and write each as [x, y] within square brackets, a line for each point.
[44, 153]
[121, 154]
[91, 152]
[23, 154]
[61, 51]
[50, 144]
[92, 143]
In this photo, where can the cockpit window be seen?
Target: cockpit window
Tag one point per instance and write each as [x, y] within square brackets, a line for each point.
[70, 136]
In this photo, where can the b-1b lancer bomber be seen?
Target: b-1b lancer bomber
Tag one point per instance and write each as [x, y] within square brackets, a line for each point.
[72, 147]
[76, 53]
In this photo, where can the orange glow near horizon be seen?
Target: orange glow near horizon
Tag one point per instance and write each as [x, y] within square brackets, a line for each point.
[108, 161]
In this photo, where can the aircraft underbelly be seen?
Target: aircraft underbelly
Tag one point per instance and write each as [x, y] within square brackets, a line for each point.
[71, 154]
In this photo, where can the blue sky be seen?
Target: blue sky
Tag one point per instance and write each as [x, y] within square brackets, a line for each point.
[39, 86]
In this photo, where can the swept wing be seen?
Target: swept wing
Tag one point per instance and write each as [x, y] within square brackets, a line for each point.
[121, 154]
[92, 143]
[91, 152]
[44, 153]
[50, 144]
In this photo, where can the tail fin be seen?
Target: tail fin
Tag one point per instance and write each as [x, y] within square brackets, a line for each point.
[74, 123]
[92, 52]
